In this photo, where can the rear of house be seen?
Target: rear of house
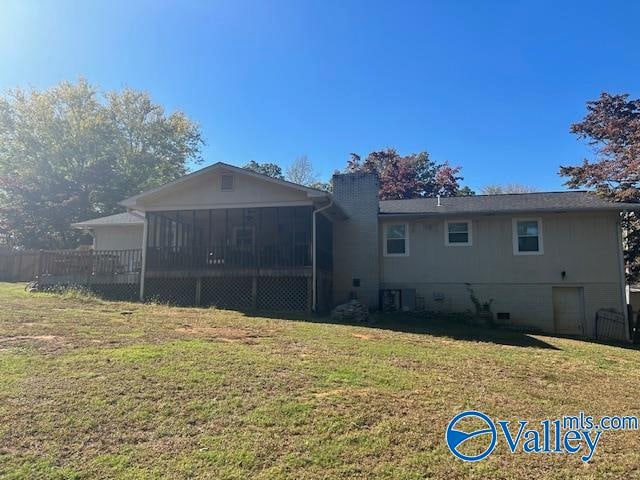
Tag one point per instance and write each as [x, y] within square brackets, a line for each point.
[552, 270]
[228, 237]
[545, 261]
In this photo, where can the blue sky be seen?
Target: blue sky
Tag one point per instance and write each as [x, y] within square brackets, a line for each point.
[490, 86]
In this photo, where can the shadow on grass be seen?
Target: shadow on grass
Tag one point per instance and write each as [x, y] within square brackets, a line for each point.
[435, 326]
[439, 326]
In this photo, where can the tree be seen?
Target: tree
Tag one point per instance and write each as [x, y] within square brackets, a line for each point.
[496, 189]
[612, 128]
[411, 176]
[268, 169]
[71, 153]
[301, 171]
[324, 186]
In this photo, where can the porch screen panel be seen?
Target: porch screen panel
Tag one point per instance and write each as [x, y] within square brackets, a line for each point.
[269, 237]
[303, 229]
[285, 236]
[219, 239]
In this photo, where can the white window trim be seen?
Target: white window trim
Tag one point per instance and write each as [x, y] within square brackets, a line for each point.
[469, 243]
[406, 239]
[514, 228]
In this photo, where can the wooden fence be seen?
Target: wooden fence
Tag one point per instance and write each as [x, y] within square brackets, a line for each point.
[90, 262]
[25, 266]
[19, 266]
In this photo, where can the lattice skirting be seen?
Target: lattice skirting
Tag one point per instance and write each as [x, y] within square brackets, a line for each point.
[128, 292]
[283, 293]
[227, 292]
[241, 293]
[174, 291]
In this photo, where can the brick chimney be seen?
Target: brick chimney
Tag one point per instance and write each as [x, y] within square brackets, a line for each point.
[356, 256]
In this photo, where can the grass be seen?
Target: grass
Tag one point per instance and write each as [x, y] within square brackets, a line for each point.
[97, 389]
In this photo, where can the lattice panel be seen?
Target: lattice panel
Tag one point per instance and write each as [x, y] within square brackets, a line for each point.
[174, 291]
[226, 292]
[128, 292]
[283, 293]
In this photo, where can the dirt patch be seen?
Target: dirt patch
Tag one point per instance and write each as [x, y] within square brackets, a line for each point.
[46, 338]
[42, 342]
[366, 336]
[226, 334]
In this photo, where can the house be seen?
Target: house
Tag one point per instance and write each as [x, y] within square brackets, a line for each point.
[234, 238]
[121, 231]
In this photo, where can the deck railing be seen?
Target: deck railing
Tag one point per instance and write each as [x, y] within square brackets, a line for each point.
[114, 262]
[223, 257]
[90, 262]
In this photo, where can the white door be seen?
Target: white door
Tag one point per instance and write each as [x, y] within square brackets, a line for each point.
[568, 310]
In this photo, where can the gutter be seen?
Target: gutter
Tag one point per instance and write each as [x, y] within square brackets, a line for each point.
[314, 287]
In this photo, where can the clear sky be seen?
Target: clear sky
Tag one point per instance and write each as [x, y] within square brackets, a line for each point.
[490, 86]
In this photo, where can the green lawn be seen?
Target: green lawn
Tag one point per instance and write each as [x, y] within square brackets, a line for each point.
[96, 389]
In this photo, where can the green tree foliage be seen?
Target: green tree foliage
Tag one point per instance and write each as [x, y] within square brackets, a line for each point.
[268, 169]
[612, 127]
[411, 176]
[71, 153]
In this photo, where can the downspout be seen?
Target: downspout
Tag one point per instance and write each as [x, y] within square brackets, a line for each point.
[314, 275]
[143, 267]
[623, 282]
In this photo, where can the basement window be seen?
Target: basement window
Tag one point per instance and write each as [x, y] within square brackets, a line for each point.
[396, 240]
[226, 182]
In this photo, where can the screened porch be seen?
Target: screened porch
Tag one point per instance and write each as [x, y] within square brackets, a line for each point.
[250, 239]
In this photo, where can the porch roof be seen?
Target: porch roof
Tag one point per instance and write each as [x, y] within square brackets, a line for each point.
[119, 219]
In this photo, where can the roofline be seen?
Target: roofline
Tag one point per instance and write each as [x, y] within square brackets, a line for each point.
[311, 192]
[496, 195]
[505, 212]
[83, 225]
[86, 223]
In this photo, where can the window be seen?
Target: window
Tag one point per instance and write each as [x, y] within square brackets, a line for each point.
[226, 182]
[527, 236]
[457, 233]
[396, 240]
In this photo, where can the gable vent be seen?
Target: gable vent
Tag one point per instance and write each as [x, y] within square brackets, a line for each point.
[226, 182]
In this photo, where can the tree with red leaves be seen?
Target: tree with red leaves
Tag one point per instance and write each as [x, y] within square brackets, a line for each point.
[410, 176]
[612, 128]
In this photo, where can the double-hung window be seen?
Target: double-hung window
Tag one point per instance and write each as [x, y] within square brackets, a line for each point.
[396, 239]
[457, 233]
[527, 236]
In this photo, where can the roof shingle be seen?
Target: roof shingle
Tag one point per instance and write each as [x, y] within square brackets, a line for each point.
[117, 219]
[506, 203]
